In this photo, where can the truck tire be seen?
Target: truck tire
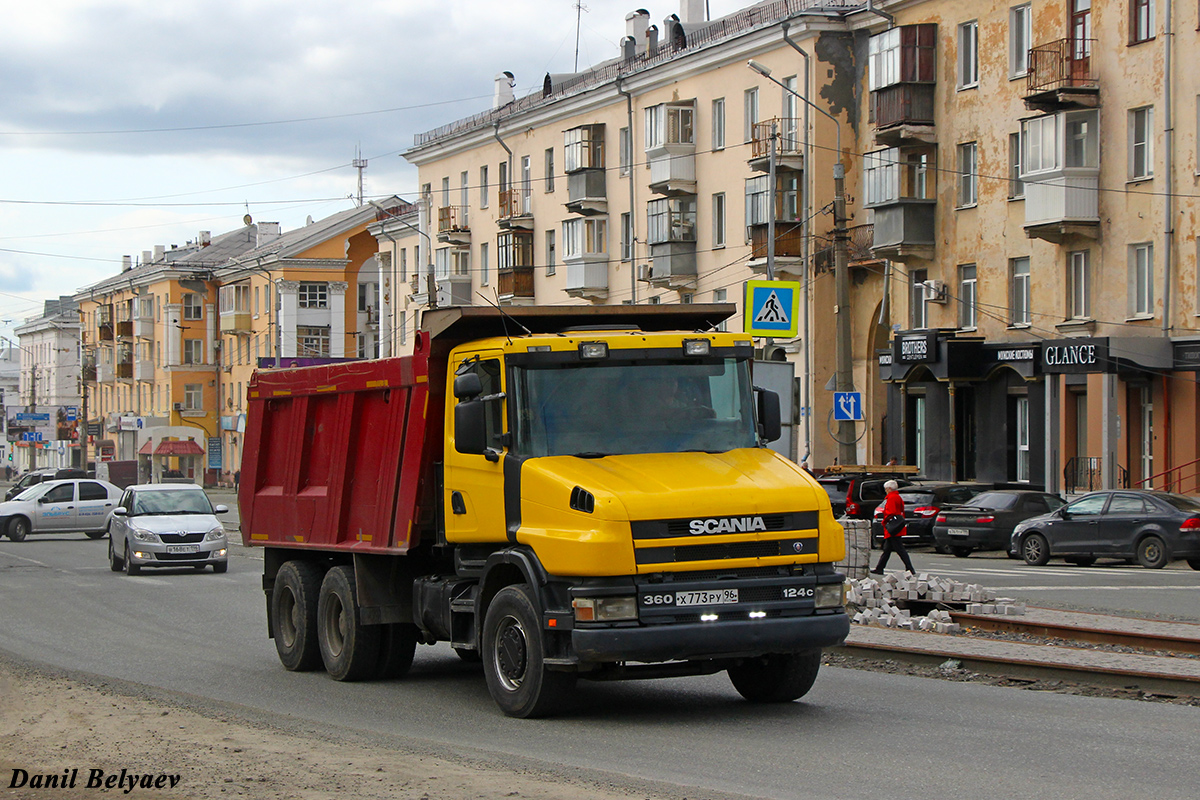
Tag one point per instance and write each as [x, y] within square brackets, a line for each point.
[777, 677]
[294, 615]
[349, 649]
[517, 678]
[397, 643]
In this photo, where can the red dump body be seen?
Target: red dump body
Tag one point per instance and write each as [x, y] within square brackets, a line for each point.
[341, 456]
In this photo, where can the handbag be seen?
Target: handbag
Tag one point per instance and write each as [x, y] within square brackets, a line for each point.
[894, 523]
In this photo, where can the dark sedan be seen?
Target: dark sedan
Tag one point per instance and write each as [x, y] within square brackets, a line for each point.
[986, 522]
[922, 502]
[1152, 527]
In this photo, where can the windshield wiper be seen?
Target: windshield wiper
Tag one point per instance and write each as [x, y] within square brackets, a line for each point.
[591, 454]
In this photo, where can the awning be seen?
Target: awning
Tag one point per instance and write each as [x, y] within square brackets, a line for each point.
[188, 448]
[147, 448]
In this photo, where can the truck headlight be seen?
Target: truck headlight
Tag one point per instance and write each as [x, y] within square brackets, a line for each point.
[831, 595]
[604, 609]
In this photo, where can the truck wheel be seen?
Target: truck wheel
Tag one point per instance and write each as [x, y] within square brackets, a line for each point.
[115, 562]
[294, 615]
[517, 678]
[1152, 553]
[349, 649]
[776, 678]
[397, 643]
[18, 529]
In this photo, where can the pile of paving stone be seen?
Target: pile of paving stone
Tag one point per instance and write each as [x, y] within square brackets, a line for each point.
[883, 601]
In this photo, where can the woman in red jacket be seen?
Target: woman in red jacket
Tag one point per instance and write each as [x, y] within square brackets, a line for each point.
[893, 506]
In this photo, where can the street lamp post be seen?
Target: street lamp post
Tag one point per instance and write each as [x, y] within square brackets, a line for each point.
[843, 375]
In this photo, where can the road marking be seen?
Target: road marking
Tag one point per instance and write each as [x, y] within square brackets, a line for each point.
[30, 560]
[1125, 587]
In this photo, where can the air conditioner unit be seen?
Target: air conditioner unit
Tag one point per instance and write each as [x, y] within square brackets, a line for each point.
[935, 292]
[643, 272]
[177, 406]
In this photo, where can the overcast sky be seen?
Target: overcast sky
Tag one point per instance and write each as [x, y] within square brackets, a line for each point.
[130, 123]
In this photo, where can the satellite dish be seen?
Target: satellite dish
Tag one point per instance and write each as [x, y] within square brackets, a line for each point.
[246, 220]
[309, 221]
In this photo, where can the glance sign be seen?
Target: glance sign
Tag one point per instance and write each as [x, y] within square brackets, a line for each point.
[1075, 355]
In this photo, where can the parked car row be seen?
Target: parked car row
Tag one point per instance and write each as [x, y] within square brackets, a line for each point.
[148, 525]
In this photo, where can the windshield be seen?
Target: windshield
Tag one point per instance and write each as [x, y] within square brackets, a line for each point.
[1182, 502]
[917, 498]
[193, 501]
[612, 408]
[29, 492]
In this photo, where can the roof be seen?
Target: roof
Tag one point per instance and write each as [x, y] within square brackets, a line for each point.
[185, 448]
[297, 241]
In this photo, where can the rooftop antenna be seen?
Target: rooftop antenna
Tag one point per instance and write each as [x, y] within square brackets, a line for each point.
[360, 164]
[579, 9]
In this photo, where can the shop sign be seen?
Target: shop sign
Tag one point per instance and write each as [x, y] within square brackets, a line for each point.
[1075, 355]
[915, 348]
[214, 452]
[1187, 355]
[885, 359]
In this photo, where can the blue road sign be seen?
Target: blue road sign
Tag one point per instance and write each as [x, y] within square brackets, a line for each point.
[847, 406]
[770, 308]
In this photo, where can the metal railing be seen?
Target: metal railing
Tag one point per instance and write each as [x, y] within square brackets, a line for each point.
[1174, 479]
[1062, 64]
[788, 131]
[1085, 474]
[452, 218]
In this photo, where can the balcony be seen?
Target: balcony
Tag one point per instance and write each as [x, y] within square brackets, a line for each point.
[125, 329]
[452, 225]
[587, 192]
[903, 114]
[789, 249]
[143, 370]
[673, 170]
[1062, 74]
[514, 252]
[516, 285]
[125, 370]
[454, 290]
[1061, 173]
[901, 190]
[671, 234]
[235, 322]
[88, 372]
[789, 145]
[587, 279]
[860, 250]
[105, 373]
[903, 80]
[583, 155]
[104, 332]
[515, 210]
[143, 328]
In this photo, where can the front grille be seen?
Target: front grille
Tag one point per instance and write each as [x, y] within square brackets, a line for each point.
[180, 556]
[730, 550]
[725, 524]
[181, 538]
[725, 574]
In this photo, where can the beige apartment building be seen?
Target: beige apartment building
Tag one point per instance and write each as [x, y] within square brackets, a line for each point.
[1021, 182]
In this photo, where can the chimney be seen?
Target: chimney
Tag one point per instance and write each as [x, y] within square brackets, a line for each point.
[267, 232]
[146, 257]
[652, 40]
[159, 251]
[205, 238]
[504, 90]
[691, 12]
[636, 23]
[126, 263]
[628, 48]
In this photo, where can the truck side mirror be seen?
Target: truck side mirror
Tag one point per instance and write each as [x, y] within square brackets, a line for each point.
[770, 426]
[470, 423]
[467, 385]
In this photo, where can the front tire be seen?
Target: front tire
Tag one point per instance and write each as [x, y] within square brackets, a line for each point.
[349, 649]
[220, 566]
[1035, 550]
[131, 568]
[95, 534]
[115, 562]
[18, 529]
[1152, 553]
[517, 677]
[294, 615]
[776, 678]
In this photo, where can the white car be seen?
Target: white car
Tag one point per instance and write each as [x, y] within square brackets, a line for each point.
[166, 525]
[66, 506]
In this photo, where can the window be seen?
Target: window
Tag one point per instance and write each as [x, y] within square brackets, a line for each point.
[92, 491]
[1022, 436]
[445, 191]
[192, 307]
[549, 169]
[1141, 279]
[1020, 35]
[312, 341]
[968, 169]
[718, 124]
[750, 113]
[918, 315]
[758, 202]
[583, 237]
[967, 298]
[968, 55]
[63, 493]
[626, 237]
[464, 198]
[526, 187]
[1141, 21]
[461, 261]
[1141, 146]
[719, 297]
[368, 296]
[670, 124]
[625, 144]
[894, 174]
[1018, 301]
[551, 252]
[1016, 187]
[718, 219]
[671, 220]
[193, 351]
[256, 301]
[483, 263]
[193, 397]
[235, 298]
[1079, 283]
[883, 59]
[441, 263]
[1069, 139]
[313, 295]
[583, 148]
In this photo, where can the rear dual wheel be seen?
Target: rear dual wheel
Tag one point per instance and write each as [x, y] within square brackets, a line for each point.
[294, 615]
[349, 649]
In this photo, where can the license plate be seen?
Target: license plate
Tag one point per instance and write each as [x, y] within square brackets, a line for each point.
[720, 597]
[183, 548]
[958, 532]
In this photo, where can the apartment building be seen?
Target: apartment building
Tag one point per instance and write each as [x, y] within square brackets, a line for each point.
[151, 354]
[49, 385]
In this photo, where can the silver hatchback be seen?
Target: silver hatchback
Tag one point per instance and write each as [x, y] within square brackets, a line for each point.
[166, 525]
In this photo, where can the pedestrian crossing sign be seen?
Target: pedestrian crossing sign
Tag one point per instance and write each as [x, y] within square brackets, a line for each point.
[771, 308]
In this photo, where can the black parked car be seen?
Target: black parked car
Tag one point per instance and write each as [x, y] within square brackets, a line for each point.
[987, 520]
[922, 502]
[857, 495]
[1152, 527]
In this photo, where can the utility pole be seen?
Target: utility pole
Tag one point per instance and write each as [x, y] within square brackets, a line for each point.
[83, 434]
[33, 410]
[844, 376]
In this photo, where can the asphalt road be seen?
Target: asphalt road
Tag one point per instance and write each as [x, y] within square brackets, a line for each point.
[856, 734]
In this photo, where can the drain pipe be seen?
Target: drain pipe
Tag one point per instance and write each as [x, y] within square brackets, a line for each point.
[806, 232]
[891, 19]
[633, 287]
[1168, 168]
[496, 133]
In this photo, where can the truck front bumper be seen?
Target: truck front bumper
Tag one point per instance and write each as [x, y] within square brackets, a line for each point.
[706, 640]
